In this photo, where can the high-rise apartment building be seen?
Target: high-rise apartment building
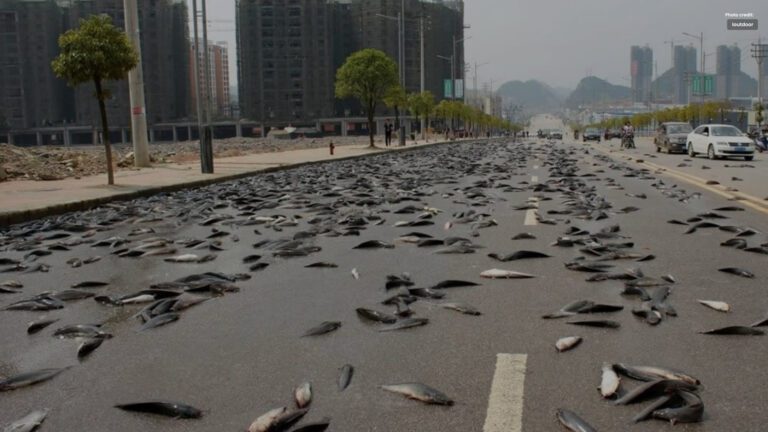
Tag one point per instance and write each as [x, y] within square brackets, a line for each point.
[218, 88]
[30, 94]
[289, 51]
[641, 71]
[728, 76]
[165, 56]
[684, 67]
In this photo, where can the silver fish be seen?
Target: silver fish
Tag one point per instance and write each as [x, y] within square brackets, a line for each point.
[264, 422]
[567, 343]
[573, 422]
[345, 377]
[461, 307]
[303, 395]
[609, 383]
[420, 392]
[29, 378]
[504, 274]
[716, 305]
[27, 423]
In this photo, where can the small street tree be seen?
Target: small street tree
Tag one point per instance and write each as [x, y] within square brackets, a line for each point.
[759, 115]
[422, 105]
[96, 51]
[368, 75]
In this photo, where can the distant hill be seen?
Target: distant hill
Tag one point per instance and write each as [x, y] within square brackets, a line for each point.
[592, 90]
[562, 92]
[534, 95]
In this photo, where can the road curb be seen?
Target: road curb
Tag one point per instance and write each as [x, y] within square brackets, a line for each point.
[19, 216]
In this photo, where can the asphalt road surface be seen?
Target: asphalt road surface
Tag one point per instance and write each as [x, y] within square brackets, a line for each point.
[242, 353]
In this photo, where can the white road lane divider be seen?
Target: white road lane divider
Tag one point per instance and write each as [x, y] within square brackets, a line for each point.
[505, 404]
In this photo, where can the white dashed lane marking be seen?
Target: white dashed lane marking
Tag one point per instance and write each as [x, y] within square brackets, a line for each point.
[505, 404]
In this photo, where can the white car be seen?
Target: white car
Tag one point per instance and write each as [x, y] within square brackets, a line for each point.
[719, 140]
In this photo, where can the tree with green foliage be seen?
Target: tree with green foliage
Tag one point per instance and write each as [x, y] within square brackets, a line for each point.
[422, 105]
[96, 51]
[368, 75]
[759, 115]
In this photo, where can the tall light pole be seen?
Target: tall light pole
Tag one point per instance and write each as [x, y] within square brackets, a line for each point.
[136, 89]
[207, 79]
[703, 64]
[759, 53]
[203, 132]
[474, 79]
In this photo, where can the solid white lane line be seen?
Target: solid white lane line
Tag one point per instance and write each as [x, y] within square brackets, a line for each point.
[505, 404]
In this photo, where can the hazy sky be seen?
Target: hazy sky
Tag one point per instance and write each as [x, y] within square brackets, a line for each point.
[561, 41]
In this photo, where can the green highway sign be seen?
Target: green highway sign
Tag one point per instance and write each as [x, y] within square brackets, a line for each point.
[703, 85]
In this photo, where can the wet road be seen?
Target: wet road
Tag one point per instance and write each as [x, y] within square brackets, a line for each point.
[240, 354]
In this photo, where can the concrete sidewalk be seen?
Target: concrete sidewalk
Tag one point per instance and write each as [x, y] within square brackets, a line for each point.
[26, 200]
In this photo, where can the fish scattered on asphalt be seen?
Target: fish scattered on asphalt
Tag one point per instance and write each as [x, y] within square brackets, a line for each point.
[321, 264]
[420, 392]
[653, 373]
[568, 343]
[504, 274]
[716, 305]
[374, 244]
[734, 331]
[405, 324]
[264, 422]
[345, 376]
[29, 378]
[461, 307]
[88, 346]
[90, 284]
[315, 426]
[596, 323]
[160, 320]
[355, 274]
[303, 395]
[653, 389]
[691, 411]
[451, 283]
[738, 272]
[81, 331]
[523, 254]
[28, 423]
[167, 409]
[573, 422]
[609, 382]
[376, 316]
[323, 328]
[36, 326]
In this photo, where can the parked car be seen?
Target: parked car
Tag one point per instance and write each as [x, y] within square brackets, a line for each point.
[591, 134]
[718, 140]
[555, 134]
[672, 136]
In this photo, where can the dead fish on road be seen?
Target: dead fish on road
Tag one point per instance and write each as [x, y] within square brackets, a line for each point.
[376, 316]
[345, 376]
[738, 272]
[461, 307]
[735, 331]
[573, 422]
[38, 325]
[504, 274]
[523, 254]
[568, 343]
[716, 305]
[691, 410]
[29, 378]
[323, 328]
[321, 264]
[264, 422]
[190, 258]
[160, 320]
[609, 382]
[28, 423]
[653, 373]
[570, 309]
[88, 346]
[81, 331]
[374, 244]
[284, 421]
[452, 283]
[653, 389]
[597, 323]
[303, 395]
[420, 392]
[90, 284]
[168, 409]
[524, 236]
[405, 324]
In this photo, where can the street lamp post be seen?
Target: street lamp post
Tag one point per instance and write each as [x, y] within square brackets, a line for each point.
[700, 38]
[136, 89]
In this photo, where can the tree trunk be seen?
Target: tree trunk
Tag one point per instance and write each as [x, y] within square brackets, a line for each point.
[426, 128]
[371, 109]
[105, 130]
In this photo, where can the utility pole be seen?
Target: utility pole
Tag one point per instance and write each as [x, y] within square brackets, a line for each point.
[136, 89]
[201, 134]
[207, 111]
[422, 83]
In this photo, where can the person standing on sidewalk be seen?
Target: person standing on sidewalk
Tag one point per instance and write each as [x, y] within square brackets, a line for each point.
[387, 133]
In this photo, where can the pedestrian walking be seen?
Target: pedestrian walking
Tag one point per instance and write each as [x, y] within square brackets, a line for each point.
[387, 133]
